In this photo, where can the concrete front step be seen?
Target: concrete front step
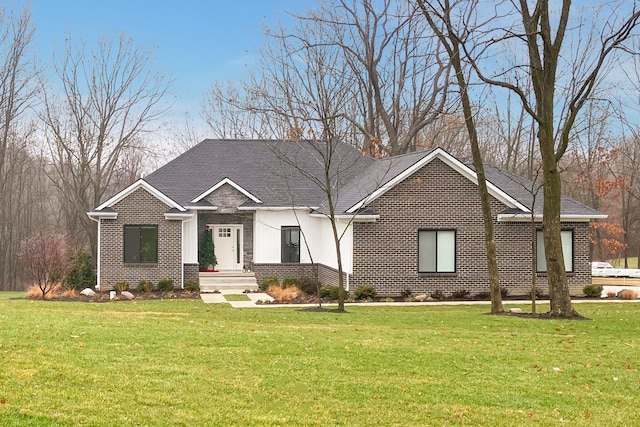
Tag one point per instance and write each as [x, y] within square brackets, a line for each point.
[228, 282]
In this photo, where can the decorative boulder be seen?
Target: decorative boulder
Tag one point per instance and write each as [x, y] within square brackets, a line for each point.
[515, 310]
[421, 297]
[126, 295]
[87, 292]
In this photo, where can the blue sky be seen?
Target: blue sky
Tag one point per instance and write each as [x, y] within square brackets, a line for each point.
[197, 42]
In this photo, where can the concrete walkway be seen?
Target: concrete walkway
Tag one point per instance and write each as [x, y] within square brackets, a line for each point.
[254, 297]
[260, 296]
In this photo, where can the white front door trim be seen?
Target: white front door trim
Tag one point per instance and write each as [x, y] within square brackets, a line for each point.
[228, 246]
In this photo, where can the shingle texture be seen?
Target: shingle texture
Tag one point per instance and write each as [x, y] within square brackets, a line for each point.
[278, 173]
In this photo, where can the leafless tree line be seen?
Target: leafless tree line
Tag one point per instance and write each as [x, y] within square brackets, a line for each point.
[71, 139]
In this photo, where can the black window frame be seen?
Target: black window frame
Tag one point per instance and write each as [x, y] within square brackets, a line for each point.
[289, 253]
[573, 251]
[455, 250]
[126, 244]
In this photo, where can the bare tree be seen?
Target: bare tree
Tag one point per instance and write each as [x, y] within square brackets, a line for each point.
[20, 177]
[110, 97]
[47, 257]
[388, 68]
[564, 58]
[440, 22]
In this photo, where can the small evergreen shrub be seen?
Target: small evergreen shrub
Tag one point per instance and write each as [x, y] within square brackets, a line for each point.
[504, 292]
[268, 281]
[328, 291]
[289, 281]
[144, 286]
[308, 285]
[191, 286]
[81, 274]
[364, 292]
[165, 285]
[461, 294]
[121, 285]
[592, 291]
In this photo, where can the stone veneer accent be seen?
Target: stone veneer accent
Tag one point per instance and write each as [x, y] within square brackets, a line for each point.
[140, 208]
[227, 199]
[438, 197]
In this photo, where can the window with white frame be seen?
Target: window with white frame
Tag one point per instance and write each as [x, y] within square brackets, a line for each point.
[436, 251]
[567, 251]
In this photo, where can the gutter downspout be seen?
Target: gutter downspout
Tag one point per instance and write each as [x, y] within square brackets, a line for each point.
[182, 249]
[97, 253]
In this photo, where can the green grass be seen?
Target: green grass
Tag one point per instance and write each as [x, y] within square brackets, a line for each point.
[633, 262]
[237, 297]
[181, 362]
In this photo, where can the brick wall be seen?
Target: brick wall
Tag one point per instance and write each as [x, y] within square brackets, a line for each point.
[438, 197]
[140, 208]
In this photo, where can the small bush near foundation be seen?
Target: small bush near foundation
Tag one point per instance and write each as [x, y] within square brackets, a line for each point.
[121, 286]
[364, 292]
[289, 281]
[461, 294]
[592, 291]
[328, 291]
[191, 286]
[611, 294]
[268, 281]
[627, 294]
[438, 294]
[406, 293]
[144, 286]
[482, 296]
[308, 285]
[284, 294]
[409, 298]
[165, 285]
[504, 292]
[81, 274]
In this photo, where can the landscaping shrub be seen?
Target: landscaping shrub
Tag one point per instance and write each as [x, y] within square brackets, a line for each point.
[81, 274]
[438, 294]
[121, 285]
[592, 291]
[165, 285]
[144, 286]
[191, 286]
[406, 293]
[289, 281]
[482, 296]
[461, 294]
[328, 291]
[364, 292]
[284, 294]
[504, 292]
[308, 285]
[268, 281]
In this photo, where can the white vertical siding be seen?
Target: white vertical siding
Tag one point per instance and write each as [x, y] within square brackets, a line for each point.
[316, 231]
[190, 240]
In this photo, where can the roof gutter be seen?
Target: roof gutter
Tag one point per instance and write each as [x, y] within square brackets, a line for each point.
[526, 217]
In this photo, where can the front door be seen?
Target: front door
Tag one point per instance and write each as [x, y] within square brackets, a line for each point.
[227, 240]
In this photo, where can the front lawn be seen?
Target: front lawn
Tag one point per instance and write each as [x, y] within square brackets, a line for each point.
[181, 362]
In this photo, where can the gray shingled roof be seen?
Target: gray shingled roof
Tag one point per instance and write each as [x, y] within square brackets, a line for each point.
[281, 174]
[374, 177]
[523, 189]
[258, 167]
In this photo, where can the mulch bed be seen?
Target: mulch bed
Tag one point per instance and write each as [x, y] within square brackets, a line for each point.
[104, 296]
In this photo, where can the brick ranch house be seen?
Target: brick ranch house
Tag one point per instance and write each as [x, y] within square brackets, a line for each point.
[410, 222]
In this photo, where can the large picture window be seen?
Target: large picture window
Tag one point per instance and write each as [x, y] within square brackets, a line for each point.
[140, 243]
[567, 251]
[290, 246]
[437, 251]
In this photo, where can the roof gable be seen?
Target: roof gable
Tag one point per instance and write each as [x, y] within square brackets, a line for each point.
[414, 162]
[231, 183]
[141, 183]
